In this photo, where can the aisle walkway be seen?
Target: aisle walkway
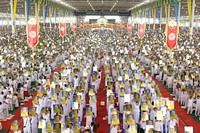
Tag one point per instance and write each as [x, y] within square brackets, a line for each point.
[102, 112]
[101, 97]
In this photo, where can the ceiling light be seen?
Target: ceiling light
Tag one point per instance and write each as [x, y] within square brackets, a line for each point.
[91, 5]
[146, 1]
[65, 4]
[114, 5]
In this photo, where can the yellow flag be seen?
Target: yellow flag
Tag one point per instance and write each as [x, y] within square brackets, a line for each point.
[15, 9]
[132, 15]
[189, 4]
[38, 11]
[166, 11]
[152, 13]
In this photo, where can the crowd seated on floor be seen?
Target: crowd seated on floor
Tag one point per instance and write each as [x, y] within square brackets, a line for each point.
[134, 101]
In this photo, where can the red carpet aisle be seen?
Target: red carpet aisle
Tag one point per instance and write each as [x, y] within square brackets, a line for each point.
[185, 120]
[102, 112]
[101, 97]
[6, 124]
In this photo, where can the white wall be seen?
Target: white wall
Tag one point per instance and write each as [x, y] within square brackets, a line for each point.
[5, 20]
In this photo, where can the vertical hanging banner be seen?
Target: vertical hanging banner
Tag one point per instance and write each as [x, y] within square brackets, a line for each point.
[15, 9]
[176, 9]
[119, 25]
[172, 35]
[129, 27]
[189, 5]
[62, 28]
[85, 24]
[39, 2]
[81, 25]
[141, 30]
[74, 27]
[32, 32]
[122, 27]
[116, 25]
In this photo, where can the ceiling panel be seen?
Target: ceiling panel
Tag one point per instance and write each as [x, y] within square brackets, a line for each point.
[99, 5]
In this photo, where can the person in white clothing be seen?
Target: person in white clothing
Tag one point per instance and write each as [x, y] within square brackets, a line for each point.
[158, 126]
[75, 81]
[136, 111]
[2, 114]
[6, 108]
[190, 105]
[34, 124]
[197, 109]
[27, 124]
[114, 128]
[169, 81]
[9, 100]
[15, 100]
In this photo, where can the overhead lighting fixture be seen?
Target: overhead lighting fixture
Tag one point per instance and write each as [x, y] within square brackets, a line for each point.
[114, 5]
[146, 1]
[65, 4]
[90, 5]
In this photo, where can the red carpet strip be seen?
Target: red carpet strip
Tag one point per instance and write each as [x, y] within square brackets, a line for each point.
[102, 112]
[101, 97]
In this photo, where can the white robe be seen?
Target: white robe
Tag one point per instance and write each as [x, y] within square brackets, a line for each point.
[109, 112]
[34, 124]
[158, 126]
[15, 100]
[27, 125]
[169, 81]
[93, 105]
[88, 120]
[52, 109]
[136, 112]
[121, 104]
[114, 129]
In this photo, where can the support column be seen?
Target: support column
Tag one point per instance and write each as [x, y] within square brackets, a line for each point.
[8, 20]
[168, 14]
[36, 9]
[192, 24]
[12, 17]
[50, 15]
[25, 8]
[55, 18]
[179, 12]
[149, 19]
[1, 22]
[160, 17]
[154, 19]
[43, 15]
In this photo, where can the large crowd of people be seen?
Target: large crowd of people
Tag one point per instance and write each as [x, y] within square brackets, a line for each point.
[134, 102]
